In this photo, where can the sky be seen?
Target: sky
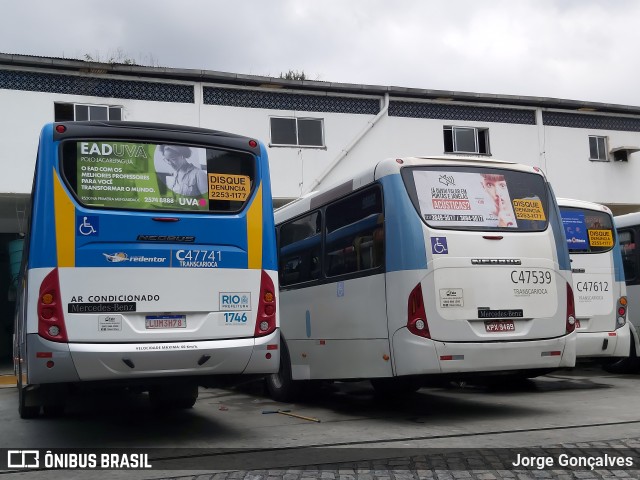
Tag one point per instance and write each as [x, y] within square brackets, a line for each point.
[570, 49]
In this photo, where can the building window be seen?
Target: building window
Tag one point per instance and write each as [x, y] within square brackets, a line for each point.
[301, 132]
[598, 148]
[466, 140]
[64, 112]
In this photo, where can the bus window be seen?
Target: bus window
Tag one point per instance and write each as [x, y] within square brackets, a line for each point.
[587, 231]
[152, 176]
[300, 250]
[474, 198]
[628, 245]
[354, 233]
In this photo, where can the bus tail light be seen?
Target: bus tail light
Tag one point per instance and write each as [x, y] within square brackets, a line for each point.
[50, 315]
[571, 310]
[621, 317]
[416, 315]
[266, 320]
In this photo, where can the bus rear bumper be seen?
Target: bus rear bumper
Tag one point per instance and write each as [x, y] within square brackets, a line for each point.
[80, 362]
[604, 344]
[418, 356]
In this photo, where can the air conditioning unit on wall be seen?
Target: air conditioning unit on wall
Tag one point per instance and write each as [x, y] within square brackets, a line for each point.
[621, 154]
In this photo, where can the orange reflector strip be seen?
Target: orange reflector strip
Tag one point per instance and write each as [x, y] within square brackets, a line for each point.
[612, 334]
[555, 353]
[44, 354]
[272, 347]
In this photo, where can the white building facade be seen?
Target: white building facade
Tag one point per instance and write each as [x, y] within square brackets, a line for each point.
[316, 133]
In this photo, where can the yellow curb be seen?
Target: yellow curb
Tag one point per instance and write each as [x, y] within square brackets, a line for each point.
[7, 381]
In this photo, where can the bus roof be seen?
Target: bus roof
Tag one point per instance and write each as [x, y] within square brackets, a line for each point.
[388, 166]
[584, 204]
[627, 220]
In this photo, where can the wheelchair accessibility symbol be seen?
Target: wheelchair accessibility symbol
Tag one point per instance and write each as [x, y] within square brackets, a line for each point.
[439, 245]
[87, 225]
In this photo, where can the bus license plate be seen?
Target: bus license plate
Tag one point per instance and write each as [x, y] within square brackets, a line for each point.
[165, 321]
[500, 326]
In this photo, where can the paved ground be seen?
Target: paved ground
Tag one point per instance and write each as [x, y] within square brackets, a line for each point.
[551, 462]
[441, 442]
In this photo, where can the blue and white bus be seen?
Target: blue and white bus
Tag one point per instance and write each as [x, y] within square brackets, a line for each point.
[443, 266]
[150, 261]
[598, 280]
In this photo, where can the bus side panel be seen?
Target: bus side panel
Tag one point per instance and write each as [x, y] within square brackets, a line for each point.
[42, 250]
[406, 265]
[342, 337]
[562, 251]
[269, 249]
[404, 247]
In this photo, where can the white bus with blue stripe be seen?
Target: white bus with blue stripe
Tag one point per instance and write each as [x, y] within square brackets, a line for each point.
[628, 234]
[445, 267]
[598, 280]
[150, 262]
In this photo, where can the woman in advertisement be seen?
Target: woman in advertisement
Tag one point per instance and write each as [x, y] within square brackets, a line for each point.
[496, 187]
[188, 179]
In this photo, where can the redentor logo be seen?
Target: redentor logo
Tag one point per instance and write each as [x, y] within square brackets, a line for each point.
[23, 459]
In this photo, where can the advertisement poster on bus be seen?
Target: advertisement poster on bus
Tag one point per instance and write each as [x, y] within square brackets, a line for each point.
[464, 199]
[575, 229]
[142, 176]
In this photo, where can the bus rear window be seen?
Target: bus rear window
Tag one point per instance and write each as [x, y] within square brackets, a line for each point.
[478, 198]
[150, 176]
[587, 231]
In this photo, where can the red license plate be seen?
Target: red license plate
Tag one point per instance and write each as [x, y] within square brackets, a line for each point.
[500, 326]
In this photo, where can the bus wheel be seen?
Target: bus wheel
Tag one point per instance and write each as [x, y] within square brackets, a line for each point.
[280, 386]
[389, 387]
[173, 396]
[630, 364]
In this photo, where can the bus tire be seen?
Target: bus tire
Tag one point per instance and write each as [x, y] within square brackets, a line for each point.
[24, 399]
[280, 386]
[630, 364]
[173, 397]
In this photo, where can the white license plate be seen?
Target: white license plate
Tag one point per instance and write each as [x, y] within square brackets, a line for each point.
[500, 326]
[165, 321]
